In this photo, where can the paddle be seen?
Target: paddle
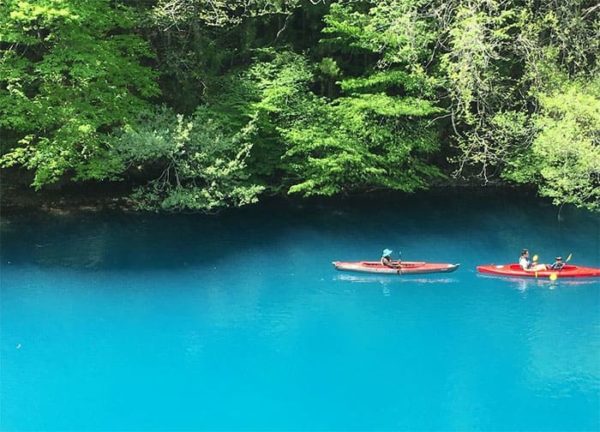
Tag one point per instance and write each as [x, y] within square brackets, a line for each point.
[534, 261]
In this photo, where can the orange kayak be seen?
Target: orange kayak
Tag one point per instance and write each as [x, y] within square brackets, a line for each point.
[516, 270]
[407, 267]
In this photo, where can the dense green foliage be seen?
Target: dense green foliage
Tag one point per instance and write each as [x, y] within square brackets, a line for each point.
[70, 72]
[211, 103]
[201, 166]
[564, 157]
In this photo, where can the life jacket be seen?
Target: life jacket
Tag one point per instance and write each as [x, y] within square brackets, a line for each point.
[386, 261]
[525, 263]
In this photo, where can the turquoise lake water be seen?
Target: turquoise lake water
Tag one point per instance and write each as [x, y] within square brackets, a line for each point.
[239, 322]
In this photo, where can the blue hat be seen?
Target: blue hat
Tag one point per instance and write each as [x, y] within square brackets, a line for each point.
[387, 252]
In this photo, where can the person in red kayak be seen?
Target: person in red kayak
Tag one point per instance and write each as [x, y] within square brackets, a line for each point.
[386, 259]
[558, 264]
[528, 265]
[524, 260]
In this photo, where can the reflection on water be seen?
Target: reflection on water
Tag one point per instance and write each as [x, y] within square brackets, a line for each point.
[388, 282]
[523, 284]
[393, 279]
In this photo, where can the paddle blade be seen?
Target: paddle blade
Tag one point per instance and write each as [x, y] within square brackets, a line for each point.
[553, 276]
[569, 258]
[535, 258]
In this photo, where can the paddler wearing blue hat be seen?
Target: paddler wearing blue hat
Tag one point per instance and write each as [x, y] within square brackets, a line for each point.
[386, 259]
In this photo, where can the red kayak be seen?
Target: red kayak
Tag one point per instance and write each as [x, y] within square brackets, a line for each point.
[516, 270]
[406, 267]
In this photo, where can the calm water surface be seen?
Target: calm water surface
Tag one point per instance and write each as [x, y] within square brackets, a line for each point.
[239, 322]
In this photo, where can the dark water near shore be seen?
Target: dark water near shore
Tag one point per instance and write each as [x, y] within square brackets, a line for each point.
[185, 322]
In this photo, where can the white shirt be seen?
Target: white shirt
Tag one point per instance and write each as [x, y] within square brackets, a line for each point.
[524, 262]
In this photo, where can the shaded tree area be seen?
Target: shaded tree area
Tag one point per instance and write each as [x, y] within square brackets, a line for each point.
[206, 104]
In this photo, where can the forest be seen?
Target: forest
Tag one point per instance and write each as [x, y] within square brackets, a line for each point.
[199, 105]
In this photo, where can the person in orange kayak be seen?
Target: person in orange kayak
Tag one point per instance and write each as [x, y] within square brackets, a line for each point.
[386, 259]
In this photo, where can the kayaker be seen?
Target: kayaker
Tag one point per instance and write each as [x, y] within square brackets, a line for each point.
[558, 264]
[386, 259]
[524, 260]
[528, 265]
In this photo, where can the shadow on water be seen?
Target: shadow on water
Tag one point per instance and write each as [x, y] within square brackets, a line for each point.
[98, 241]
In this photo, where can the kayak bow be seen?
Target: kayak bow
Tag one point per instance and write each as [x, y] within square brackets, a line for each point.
[516, 270]
[405, 268]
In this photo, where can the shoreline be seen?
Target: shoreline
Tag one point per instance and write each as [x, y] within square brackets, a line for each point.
[115, 197]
